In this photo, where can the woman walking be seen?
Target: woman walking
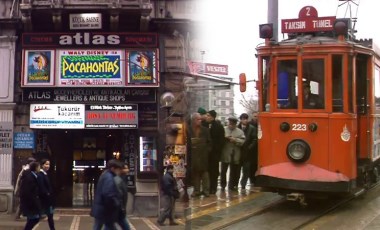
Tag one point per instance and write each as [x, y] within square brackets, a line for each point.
[46, 192]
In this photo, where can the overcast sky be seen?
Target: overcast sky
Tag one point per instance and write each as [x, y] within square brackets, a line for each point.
[231, 27]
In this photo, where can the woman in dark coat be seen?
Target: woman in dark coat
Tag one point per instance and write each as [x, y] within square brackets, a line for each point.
[46, 192]
[30, 202]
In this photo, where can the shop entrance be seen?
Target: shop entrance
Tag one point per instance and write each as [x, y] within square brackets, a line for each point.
[78, 158]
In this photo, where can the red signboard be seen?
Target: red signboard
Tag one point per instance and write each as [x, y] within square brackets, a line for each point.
[308, 21]
[216, 69]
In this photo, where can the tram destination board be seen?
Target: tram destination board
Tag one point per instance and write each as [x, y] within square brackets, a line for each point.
[89, 95]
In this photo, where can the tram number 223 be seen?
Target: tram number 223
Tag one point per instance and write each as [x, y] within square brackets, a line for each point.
[299, 127]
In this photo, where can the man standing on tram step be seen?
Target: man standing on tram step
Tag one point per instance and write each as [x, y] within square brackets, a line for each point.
[107, 202]
[203, 114]
[255, 162]
[248, 153]
[231, 154]
[217, 142]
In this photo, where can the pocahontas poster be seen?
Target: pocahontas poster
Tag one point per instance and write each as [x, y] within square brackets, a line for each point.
[38, 67]
[142, 68]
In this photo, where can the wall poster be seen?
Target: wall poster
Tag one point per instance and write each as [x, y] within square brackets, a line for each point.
[38, 68]
[90, 68]
[142, 68]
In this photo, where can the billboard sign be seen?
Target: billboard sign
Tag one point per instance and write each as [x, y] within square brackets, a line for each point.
[90, 68]
[57, 116]
[111, 116]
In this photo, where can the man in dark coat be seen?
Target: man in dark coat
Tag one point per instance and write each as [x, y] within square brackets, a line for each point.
[200, 149]
[248, 150]
[30, 202]
[169, 194]
[217, 142]
[107, 202]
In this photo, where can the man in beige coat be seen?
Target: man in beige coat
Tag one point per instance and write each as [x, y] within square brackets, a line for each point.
[231, 152]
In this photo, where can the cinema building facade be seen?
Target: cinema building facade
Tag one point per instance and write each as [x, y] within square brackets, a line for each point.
[88, 81]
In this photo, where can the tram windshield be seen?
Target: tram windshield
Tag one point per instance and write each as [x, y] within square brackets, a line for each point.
[311, 92]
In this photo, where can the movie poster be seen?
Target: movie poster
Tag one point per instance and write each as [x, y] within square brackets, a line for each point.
[38, 67]
[142, 68]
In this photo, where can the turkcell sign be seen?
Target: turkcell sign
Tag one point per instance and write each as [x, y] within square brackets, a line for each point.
[57, 116]
[111, 116]
[90, 68]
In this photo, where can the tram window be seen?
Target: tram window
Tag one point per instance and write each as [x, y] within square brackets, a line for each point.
[265, 67]
[377, 90]
[287, 84]
[361, 83]
[337, 83]
[313, 72]
[350, 84]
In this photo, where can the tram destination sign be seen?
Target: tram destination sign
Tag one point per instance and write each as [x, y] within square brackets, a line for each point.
[89, 95]
[308, 21]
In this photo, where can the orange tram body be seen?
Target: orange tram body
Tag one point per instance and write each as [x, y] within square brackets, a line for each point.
[319, 108]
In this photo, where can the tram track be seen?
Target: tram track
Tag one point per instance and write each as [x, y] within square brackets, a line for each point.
[282, 214]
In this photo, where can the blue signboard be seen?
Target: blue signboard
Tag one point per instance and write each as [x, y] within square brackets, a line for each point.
[23, 141]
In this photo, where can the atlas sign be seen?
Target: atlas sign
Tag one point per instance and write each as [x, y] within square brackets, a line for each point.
[89, 39]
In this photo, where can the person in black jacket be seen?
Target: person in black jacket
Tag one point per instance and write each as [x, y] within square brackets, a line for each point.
[122, 187]
[107, 202]
[217, 142]
[30, 202]
[46, 192]
[248, 150]
[169, 194]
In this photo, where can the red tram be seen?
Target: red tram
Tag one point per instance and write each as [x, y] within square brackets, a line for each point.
[319, 108]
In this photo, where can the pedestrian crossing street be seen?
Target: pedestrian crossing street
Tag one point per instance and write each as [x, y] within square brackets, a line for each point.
[80, 222]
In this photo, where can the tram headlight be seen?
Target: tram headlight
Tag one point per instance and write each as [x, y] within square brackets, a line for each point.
[298, 151]
[284, 126]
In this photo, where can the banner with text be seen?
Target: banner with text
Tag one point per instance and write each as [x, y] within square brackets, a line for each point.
[111, 116]
[90, 68]
[53, 116]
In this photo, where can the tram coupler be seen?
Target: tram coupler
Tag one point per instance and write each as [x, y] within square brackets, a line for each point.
[300, 197]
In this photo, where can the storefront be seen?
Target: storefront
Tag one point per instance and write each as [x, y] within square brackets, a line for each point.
[93, 97]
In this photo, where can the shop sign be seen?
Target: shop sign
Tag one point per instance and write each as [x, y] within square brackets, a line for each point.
[57, 116]
[90, 68]
[111, 116]
[142, 68]
[6, 137]
[38, 68]
[24, 140]
[85, 21]
[89, 95]
[89, 39]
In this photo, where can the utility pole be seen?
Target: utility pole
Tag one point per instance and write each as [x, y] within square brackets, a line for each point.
[273, 17]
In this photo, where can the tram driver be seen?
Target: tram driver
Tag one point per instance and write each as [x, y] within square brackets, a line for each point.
[310, 100]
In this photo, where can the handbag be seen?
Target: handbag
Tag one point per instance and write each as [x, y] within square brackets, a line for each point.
[176, 193]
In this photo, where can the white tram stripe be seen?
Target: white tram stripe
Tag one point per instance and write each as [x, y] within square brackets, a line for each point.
[75, 223]
[36, 226]
[131, 225]
[150, 224]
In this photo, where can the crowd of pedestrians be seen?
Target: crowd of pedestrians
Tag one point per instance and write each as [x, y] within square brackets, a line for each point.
[217, 150]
